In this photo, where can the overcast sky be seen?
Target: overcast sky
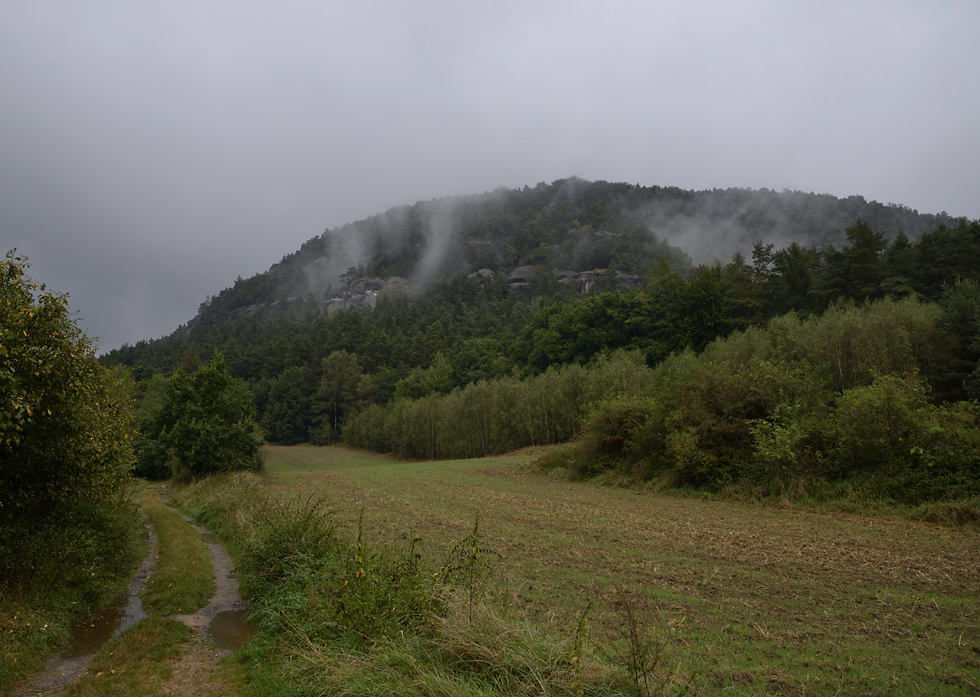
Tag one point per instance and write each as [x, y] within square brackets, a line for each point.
[151, 152]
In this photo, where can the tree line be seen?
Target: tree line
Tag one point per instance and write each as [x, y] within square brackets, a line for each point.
[309, 371]
[844, 398]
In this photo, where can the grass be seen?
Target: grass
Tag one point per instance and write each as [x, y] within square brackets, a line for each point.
[183, 579]
[36, 621]
[136, 663]
[744, 599]
[342, 615]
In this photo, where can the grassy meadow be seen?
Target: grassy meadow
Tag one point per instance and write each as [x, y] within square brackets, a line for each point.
[742, 598]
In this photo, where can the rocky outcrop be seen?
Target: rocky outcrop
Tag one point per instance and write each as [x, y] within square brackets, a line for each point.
[583, 281]
[483, 275]
[362, 292]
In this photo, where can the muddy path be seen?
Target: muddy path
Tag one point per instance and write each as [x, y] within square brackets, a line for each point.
[223, 619]
[88, 637]
[219, 628]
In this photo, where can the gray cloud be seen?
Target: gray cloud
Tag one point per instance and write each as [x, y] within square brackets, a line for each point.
[152, 152]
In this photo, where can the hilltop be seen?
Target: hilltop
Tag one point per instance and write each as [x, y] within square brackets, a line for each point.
[569, 227]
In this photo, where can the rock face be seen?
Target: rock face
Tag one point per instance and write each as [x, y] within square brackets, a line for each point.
[482, 275]
[363, 291]
[587, 280]
[583, 281]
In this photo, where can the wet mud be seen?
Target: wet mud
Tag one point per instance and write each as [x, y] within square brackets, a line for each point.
[90, 635]
[224, 620]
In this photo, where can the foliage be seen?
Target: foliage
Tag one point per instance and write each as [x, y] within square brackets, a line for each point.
[151, 454]
[496, 416]
[206, 423]
[67, 532]
[906, 448]
[339, 376]
[832, 398]
[960, 371]
[65, 435]
[64, 430]
[289, 411]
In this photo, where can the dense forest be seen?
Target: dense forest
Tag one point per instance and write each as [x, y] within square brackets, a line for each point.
[387, 332]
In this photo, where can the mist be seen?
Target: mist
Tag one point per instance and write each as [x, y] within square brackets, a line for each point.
[150, 155]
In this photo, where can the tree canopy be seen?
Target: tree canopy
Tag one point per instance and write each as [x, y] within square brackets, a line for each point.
[206, 423]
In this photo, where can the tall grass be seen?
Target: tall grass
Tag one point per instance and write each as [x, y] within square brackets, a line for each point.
[340, 616]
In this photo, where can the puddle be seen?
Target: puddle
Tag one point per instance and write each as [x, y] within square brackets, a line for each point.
[230, 630]
[89, 636]
[223, 621]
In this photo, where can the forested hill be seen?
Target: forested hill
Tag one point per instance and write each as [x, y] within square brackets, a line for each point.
[567, 226]
[430, 298]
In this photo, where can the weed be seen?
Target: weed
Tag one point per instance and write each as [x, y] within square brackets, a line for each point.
[636, 647]
[578, 648]
[468, 564]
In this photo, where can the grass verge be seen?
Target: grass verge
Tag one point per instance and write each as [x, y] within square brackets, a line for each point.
[183, 578]
[343, 615]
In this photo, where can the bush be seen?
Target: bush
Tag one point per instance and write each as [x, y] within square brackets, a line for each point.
[65, 442]
[888, 435]
[611, 439]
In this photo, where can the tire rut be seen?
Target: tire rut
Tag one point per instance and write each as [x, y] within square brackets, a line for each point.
[68, 665]
[226, 605]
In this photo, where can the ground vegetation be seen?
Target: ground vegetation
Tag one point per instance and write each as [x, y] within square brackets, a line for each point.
[68, 531]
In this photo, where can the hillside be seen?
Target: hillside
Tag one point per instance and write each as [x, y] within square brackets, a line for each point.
[567, 226]
[451, 327]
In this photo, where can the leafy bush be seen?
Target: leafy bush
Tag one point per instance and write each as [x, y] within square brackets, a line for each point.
[828, 399]
[68, 535]
[65, 442]
[611, 436]
[889, 435]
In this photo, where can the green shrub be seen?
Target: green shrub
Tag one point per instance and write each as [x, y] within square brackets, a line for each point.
[891, 437]
[612, 437]
[206, 423]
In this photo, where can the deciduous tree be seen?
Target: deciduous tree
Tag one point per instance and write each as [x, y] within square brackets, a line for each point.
[207, 422]
[65, 433]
